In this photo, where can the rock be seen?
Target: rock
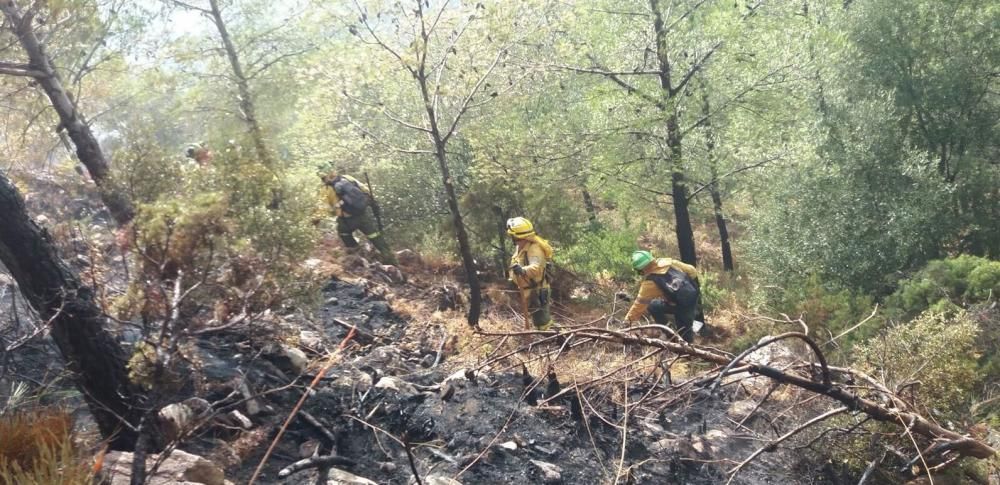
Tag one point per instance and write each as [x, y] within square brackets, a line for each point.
[379, 309]
[387, 466]
[310, 339]
[739, 410]
[392, 273]
[668, 446]
[435, 479]
[337, 476]
[332, 301]
[427, 361]
[179, 468]
[296, 358]
[174, 419]
[408, 257]
[550, 473]
[509, 445]
[239, 419]
[396, 384]
[312, 263]
[447, 391]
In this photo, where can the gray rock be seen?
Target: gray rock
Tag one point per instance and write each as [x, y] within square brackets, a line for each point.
[550, 473]
[435, 479]
[337, 476]
[179, 468]
[407, 257]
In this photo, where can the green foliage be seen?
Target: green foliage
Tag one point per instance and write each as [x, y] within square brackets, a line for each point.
[933, 355]
[602, 254]
[947, 284]
[829, 310]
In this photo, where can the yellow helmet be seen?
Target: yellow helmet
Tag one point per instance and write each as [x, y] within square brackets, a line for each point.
[520, 227]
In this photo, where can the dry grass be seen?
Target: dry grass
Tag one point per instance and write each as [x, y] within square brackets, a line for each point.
[36, 447]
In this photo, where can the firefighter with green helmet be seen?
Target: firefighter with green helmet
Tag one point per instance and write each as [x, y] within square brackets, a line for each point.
[530, 271]
[351, 202]
[668, 287]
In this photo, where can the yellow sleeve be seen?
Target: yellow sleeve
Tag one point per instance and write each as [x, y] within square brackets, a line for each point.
[691, 271]
[536, 263]
[647, 293]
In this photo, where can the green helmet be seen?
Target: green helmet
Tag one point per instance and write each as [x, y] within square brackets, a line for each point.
[641, 259]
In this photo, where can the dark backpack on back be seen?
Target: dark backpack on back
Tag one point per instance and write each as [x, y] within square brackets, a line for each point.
[355, 200]
[676, 285]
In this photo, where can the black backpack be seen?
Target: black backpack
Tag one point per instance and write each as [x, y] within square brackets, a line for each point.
[355, 200]
[676, 285]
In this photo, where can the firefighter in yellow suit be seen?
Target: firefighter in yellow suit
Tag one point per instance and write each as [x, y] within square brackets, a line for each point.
[668, 287]
[529, 270]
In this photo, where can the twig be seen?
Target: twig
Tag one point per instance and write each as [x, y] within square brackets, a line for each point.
[315, 423]
[298, 405]
[776, 442]
[315, 462]
[621, 459]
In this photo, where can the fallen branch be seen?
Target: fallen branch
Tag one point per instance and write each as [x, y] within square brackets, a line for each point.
[298, 405]
[315, 462]
[771, 445]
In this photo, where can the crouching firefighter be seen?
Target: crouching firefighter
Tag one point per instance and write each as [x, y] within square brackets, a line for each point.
[352, 204]
[530, 270]
[668, 287]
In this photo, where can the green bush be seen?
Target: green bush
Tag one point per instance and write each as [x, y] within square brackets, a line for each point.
[604, 254]
[947, 284]
[828, 310]
[934, 356]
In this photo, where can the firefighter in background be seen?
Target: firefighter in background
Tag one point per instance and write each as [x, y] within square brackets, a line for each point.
[351, 202]
[530, 269]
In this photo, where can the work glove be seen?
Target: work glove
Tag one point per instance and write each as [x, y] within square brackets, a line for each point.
[517, 269]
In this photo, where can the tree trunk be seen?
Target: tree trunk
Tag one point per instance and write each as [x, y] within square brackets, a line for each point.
[682, 217]
[678, 191]
[502, 241]
[713, 188]
[247, 107]
[88, 149]
[720, 222]
[77, 324]
[468, 261]
[588, 204]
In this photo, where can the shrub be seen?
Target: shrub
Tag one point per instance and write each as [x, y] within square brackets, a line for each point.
[828, 310]
[935, 355]
[603, 254]
[947, 284]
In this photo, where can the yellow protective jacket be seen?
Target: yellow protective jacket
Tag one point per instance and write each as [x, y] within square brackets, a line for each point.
[333, 200]
[532, 257]
[648, 291]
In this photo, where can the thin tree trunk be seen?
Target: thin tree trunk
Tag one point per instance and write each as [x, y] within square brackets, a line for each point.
[464, 248]
[720, 222]
[77, 324]
[588, 204]
[502, 241]
[713, 188]
[247, 107]
[682, 216]
[88, 149]
[678, 191]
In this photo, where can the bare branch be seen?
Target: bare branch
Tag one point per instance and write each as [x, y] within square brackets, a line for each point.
[694, 69]
[771, 445]
[465, 104]
[19, 69]
[188, 6]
